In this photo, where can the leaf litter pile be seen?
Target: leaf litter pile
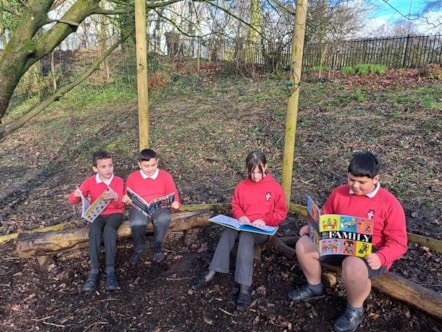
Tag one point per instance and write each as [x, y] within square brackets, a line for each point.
[203, 128]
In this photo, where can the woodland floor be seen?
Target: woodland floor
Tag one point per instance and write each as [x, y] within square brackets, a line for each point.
[41, 163]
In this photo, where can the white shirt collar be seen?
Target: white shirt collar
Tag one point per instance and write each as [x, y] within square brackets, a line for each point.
[153, 176]
[107, 182]
[373, 193]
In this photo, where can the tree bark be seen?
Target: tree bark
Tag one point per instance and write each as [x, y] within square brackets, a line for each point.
[25, 48]
[44, 104]
[47, 244]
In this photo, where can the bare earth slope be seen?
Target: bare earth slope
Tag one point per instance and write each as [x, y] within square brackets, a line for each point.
[203, 128]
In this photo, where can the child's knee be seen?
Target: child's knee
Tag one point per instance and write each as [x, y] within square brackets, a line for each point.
[354, 268]
[162, 220]
[304, 246]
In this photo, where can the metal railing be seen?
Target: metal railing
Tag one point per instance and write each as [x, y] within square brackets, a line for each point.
[394, 52]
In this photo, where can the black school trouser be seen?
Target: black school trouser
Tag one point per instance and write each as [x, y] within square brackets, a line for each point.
[104, 228]
[138, 224]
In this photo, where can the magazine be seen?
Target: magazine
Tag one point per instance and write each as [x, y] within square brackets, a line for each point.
[239, 226]
[90, 212]
[149, 208]
[335, 234]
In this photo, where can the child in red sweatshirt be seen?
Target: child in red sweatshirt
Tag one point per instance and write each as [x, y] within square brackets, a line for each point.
[258, 200]
[106, 224]
[150, 183]
[363, 197]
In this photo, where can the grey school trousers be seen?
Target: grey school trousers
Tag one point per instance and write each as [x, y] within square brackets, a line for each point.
[104, 227]
[244, 257]
[138, 224]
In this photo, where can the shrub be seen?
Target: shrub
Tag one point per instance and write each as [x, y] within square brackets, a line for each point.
[433, 71]
[377, 69]
[362, 69]
[319, 68]
[158, 79]
[347, 70]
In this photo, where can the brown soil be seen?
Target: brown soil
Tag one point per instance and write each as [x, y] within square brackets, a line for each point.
[156, 297]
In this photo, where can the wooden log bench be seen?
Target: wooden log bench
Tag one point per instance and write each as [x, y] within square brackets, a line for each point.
[44, 245]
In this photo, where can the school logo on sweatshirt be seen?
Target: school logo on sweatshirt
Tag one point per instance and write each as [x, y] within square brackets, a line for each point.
[268, 196]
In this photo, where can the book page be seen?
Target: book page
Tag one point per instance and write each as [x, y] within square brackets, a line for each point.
[164, 202]
[222, 219]
[238, 225]
[138, 202]
[313, 214]
[90, 212]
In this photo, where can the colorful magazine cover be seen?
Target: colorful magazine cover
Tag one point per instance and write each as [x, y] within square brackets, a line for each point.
[335, 234]
[149, 208]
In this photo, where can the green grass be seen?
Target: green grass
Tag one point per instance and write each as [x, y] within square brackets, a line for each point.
[348, 70]
[320, 68]
[364, 69]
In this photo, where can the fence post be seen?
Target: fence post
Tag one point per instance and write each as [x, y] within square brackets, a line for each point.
[404, 59]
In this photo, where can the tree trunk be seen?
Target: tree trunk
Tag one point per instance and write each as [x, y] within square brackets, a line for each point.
[45, 103]
[293, 101]
[47, 244]
[25, 48]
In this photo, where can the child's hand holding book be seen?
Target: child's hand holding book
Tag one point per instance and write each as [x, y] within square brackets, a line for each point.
[78, 193]
[110, 194]
[126, 200]
[244, 220]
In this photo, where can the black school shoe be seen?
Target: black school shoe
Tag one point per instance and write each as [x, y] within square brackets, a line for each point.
[91, 283]
[305, 294]
[158, 257]
[200, 283]
[135, 258]
[349, 321]
[243, 301]
[111, 282]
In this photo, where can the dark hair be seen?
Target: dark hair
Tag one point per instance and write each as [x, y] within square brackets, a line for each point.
[98, 155]
[147, 154]
[255, 159]
[364, 163]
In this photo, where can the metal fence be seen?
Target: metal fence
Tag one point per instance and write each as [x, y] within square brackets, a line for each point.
[394, 52]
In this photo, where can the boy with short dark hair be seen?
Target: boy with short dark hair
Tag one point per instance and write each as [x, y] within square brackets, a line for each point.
[150, 183]
[363, 197]
[106, 224]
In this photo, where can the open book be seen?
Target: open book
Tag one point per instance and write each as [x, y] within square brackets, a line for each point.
[149, 208]
[239, 226]
[335, 234]
[90, 212]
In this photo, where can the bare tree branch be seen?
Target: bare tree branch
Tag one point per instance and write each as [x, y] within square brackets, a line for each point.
[43, 105]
